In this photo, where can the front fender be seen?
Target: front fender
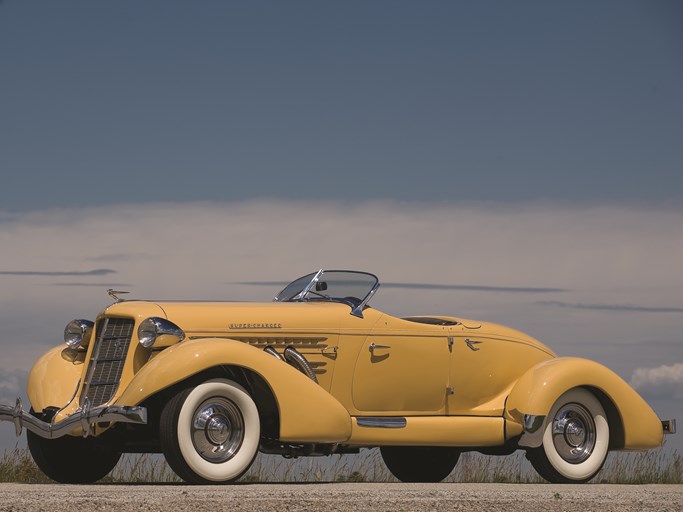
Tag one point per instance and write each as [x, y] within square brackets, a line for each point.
[308, 413]
[54, 378]
[537, 390]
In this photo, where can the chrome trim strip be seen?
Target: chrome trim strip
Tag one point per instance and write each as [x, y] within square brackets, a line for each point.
[381, 422]
[82, 418]
[78, 387]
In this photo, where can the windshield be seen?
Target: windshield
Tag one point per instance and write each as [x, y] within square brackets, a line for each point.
[352, 288]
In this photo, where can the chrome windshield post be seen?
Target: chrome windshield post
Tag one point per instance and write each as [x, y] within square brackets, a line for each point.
[308, 287]
[358, 310]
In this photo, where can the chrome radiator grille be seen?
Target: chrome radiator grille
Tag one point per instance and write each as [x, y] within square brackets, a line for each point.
[107, 359]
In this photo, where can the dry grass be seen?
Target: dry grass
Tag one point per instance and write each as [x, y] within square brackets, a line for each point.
[652, 467]
[18, 466]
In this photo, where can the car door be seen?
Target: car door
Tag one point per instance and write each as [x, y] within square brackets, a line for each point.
[402, 373]
[483, 369]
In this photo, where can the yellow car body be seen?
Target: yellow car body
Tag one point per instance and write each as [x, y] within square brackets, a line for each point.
[422, 388]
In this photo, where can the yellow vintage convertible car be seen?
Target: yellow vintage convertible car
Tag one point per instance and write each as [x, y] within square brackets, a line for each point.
[316, 372]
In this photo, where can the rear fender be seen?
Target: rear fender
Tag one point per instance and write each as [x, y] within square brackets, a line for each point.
[634, 423]
[307, 412]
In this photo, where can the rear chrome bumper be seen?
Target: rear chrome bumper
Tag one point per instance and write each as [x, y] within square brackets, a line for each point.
[82, 419]
[669, 426]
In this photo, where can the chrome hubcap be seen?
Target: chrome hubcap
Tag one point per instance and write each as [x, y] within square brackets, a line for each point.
[574, 433]
[217, 429]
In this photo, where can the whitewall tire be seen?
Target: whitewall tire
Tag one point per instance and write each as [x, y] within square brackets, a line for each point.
[210, 433]
[575, 439]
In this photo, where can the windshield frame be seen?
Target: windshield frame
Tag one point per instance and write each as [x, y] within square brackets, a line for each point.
[307, 293]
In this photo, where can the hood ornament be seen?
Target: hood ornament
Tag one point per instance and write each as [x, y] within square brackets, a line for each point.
[114, 294]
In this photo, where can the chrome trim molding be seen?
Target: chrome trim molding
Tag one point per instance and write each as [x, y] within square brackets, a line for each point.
[381, 422]
[669, 426]
[532, 437]
[83, 418]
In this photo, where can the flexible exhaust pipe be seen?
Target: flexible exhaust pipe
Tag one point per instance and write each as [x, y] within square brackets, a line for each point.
[296, 359]
[270, 350]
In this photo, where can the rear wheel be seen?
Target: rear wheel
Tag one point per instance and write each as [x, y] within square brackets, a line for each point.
[420, 463]
[575, 439]
[210, 433]
[71, 460]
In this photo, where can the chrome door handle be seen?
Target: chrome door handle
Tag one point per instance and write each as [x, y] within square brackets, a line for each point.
[374, 347]
[473, 344]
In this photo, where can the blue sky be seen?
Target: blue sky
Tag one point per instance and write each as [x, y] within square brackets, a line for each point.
[484, 149]
[110, 102]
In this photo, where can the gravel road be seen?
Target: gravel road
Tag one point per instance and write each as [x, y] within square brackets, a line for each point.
[341, 497]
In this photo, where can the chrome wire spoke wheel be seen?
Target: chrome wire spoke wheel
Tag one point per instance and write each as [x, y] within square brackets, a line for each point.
[574, 433]
[217, 429]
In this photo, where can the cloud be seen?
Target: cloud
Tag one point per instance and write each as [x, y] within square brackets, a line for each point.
[192, 250]
[11, 385]
[475, 288]
[665, 381]
[533, 246]
[120, 256]
[92, 285]
[96, 272]
[611, 307]
[431, 286]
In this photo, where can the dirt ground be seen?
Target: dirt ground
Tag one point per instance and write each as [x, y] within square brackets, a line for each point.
[341, 497]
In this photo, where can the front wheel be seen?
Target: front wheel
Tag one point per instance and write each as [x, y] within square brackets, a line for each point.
[420, 463]
[575, 439]
[210, 433]
[71, 460]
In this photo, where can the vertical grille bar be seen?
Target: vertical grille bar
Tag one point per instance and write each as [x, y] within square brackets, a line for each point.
[107, 359]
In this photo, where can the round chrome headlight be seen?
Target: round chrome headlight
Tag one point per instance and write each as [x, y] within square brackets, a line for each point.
[78, 332]
[155, 328]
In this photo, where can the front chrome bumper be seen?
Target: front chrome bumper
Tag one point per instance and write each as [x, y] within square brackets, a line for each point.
[82, 419]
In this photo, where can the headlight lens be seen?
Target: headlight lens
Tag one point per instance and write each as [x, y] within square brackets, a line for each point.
[78, 332]
[155, 328]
